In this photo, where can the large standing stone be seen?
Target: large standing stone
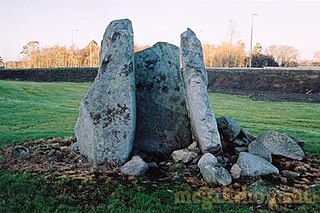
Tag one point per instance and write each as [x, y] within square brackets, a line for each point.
[106, 123]
[253, 165]
[281, 144]
[202, 118]
[163, 124]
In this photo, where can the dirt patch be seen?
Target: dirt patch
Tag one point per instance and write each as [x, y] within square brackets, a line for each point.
[54, 159]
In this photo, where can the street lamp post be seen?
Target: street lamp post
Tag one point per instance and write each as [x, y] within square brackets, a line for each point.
[250, 61]
[73, 30]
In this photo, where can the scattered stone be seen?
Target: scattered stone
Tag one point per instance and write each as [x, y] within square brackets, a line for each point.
[240, 142]
[253, 165]
[183, 155]
[196, 160]
[248, 135]
[194, 147]
[75, 147]
[284, 180]
[135, 167]
[207, 159]
[223, 160]
[281, 144]
[259, 149]
[240, 149]
[106, 124]
[290, 174]
[216, 175]
[202, 118]
[228, 127]
[163, 124]
[21, 152]
[51, 152]
[153, 165]
[235, 171]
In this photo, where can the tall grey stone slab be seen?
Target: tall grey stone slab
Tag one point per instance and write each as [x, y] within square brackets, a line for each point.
[163, 124]
[202, 118]
[106, 124]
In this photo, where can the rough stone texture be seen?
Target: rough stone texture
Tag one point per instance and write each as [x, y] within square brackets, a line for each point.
[259, 149]
[106, 123]
[228, 127]
[290, 174]
[163, 124]
[216, 175]
[235, 171]
[21, 152]
[240, 149]
[281, 144]
[207, 159]
[202, 118]
[135, 167]
[247, 135]
[183, 155]
[75, 147]
[253, 165]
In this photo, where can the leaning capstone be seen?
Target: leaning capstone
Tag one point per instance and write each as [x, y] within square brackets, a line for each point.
[281, 144]
[163, 124]
[253, 165]
[202, 118]
[259, 149]
[135, 167]
[106, 123]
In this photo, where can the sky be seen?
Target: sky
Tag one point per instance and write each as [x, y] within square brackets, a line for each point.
[294, 23]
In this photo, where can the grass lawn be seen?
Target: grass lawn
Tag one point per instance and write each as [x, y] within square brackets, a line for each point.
[30, 110]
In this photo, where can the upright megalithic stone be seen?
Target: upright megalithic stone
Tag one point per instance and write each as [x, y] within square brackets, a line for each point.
[106, 124]
[163, 124]
[203, 123]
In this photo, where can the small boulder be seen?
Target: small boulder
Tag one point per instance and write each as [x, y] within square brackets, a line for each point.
[290, 174]
[240, 142]
[183, 155]
[194, 147]
[21, 152]
[207, 159]
[228, 127]
[247, 135]
[135, 167]
[235, 171]
[253, 165]
[240, 149]
[216, 175]
[259, 149]
[281, 144]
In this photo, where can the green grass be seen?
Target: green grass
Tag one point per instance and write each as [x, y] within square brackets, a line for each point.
[30, 110]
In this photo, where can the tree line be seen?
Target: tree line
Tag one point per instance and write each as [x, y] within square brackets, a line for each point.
[225, 54]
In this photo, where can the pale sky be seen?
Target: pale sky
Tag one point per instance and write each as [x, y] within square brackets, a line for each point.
[294, 23]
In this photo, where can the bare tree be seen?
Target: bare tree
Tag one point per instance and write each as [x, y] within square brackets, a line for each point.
[286, 56]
